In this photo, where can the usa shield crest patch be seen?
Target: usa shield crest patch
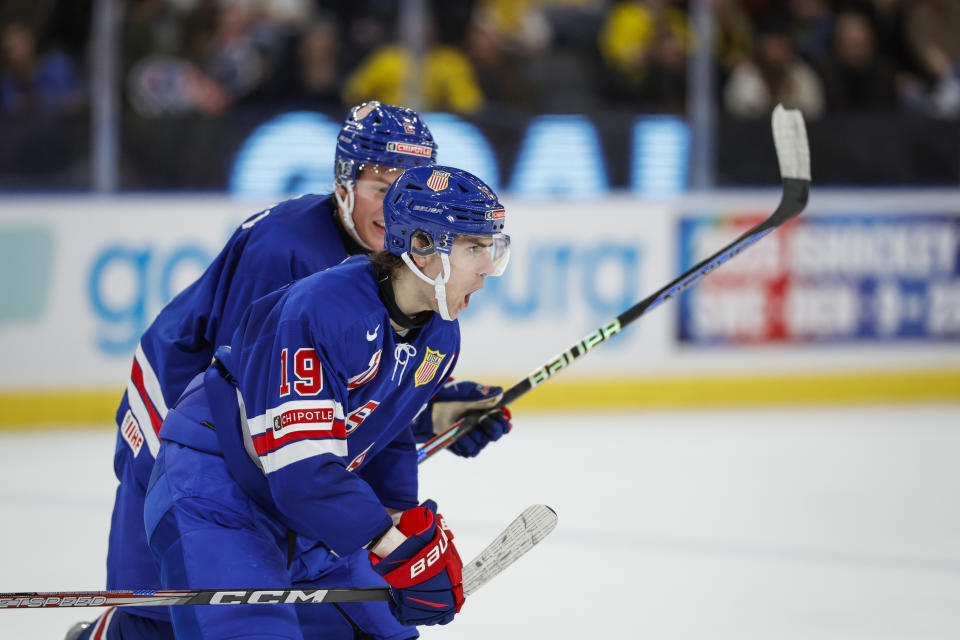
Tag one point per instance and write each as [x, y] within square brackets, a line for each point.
[439, 180]
[428, 368]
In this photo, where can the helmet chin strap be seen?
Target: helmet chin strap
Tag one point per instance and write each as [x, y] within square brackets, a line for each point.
[346, 212]
[439, 283]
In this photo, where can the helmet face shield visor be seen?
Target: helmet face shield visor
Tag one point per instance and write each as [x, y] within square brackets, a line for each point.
[499, 253]
[488, 255]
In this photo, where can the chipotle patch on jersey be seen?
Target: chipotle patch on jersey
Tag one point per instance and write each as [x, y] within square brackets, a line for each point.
[319, 417]
[428, 367]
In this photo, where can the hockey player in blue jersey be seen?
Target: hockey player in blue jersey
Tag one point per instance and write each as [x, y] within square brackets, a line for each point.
[301, 427]
[289, 241]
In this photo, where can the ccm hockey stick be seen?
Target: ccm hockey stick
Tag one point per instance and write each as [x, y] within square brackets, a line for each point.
[529, 528]
[793, 156]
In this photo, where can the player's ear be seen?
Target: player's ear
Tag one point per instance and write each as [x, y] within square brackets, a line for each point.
[421, 261]
[419, 241]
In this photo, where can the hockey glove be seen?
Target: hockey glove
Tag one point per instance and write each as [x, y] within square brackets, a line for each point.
[424, 571]
[452, 402]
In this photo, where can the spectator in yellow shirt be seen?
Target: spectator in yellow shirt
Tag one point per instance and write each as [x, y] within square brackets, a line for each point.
[448, 82]
[630, 30]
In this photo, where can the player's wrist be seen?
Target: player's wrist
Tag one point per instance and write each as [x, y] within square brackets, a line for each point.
[387, 542]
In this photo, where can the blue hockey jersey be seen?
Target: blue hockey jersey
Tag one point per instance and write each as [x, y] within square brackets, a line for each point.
[327, 390]
[289, 241]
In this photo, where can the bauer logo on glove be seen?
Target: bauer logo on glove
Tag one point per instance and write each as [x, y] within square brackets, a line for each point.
[434, 554]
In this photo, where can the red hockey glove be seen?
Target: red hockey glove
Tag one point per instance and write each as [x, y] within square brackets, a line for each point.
[424, 572]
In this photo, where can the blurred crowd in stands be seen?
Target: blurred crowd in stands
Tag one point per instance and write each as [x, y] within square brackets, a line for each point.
[212, 56]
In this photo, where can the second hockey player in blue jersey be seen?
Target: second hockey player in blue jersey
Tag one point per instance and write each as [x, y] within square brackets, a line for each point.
[302, 425]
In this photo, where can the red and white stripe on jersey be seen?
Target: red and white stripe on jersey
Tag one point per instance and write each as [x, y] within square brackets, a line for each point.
[146, 400]
[101, 625]
[297, 430]
[446, 369]
[359, 459]
[368, 375]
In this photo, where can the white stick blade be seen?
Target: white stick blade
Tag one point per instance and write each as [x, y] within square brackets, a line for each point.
[523, 534]
[790, 139]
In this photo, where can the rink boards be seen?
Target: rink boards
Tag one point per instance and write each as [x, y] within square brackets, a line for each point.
[858, 300]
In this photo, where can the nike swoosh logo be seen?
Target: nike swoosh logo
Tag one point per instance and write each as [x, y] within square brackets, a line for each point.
[427, 602]
[373, 336]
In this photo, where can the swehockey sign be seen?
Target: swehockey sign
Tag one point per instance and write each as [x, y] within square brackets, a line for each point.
[831, 278]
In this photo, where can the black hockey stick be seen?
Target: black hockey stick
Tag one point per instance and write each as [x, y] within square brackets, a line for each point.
[529, 528]
[167, 598]
[793, 155]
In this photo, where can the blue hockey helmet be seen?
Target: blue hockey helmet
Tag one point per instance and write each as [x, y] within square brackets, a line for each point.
[441, 203]
[378, 134]
[382, 134]
[438, 204]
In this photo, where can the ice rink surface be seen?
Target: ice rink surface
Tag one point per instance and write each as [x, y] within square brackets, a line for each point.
[825, 524]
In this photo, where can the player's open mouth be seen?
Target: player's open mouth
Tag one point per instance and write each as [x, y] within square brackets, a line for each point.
[379, 225]
[466, 298]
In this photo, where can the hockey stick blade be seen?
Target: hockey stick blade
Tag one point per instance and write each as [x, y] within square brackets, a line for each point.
[793, 157]
[790, 140]
[520, 536]
[530, 527]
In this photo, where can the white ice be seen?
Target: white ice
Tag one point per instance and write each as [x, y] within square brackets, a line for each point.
[839, 523]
